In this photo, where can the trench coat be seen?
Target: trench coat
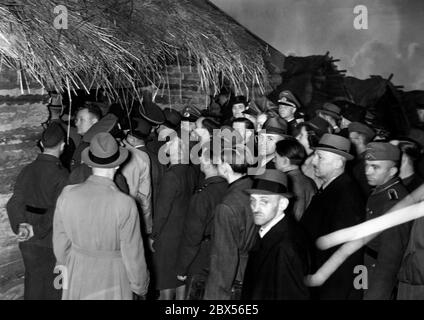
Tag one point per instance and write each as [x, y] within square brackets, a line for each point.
[138, 176]
[278, 264]
[97, 237]
[176, 188]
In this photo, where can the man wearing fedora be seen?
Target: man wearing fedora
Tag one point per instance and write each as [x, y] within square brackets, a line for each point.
[273, 130]
[233, 228]
[137, 171]
[338, 204]
[170, 125]
[384, 253]
[332, 114]
[238, 105]
[31, 209]
[176, 188]
[96, 232]
[279, 261]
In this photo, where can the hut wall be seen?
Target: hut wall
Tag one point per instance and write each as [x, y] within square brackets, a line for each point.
[182, 87]
[21, 116]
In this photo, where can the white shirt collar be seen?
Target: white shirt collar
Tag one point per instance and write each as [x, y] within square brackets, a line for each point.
[264, 230]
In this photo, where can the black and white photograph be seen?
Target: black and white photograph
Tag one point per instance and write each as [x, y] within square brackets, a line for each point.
[223, 153]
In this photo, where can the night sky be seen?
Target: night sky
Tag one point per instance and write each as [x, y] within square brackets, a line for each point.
[393, 43]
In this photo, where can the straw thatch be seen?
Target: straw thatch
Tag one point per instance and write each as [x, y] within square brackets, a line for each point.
[126, 44]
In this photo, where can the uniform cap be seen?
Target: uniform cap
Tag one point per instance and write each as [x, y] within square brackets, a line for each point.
[382, 151]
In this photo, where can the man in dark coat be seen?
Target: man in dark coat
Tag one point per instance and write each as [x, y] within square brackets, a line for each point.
[31, 211]
[289, 155]
[273, 130]
[176, 188]
[338, 204]
[234, 231]
[194, 252]
[383, 254]
[287, 107]
[279, 261]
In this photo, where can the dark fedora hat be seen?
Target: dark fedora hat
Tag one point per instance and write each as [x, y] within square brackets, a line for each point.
[104, 152]
[239, 99]
[319, 125]
[272, 181]
[151, 112]
[172, 118]
[335, 144]
[276, 125]
[331, 110]
[140, 128]
[251, 111]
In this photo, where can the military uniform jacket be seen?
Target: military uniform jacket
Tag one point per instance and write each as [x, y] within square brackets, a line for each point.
[278, 264]
[383, 254]
[233, 236]
[338, 206]
[381, 200]
[34, 197]
[194, 250]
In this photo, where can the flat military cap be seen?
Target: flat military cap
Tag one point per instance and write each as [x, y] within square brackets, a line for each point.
[362, 128]
[382, 151]
[191, 114]
[53, 135]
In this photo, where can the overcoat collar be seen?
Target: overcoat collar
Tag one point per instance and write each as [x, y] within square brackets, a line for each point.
[101, 180]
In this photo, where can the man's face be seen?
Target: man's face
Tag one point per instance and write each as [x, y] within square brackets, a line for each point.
[84, 121]
[281, 162]
[237, 109]
[344, 123]
[267, 142]
[286, 112]
[323, 163]
[420, 113]
[356, 139]
[264, 208]
[302, 137]
[240, 127]
[378, 172]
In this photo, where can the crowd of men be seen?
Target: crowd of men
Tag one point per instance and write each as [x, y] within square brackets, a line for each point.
[115, 201]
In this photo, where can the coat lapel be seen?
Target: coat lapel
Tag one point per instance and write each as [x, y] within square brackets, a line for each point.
[270, 240]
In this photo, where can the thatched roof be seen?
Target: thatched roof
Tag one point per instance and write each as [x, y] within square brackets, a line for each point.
[126, 43]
